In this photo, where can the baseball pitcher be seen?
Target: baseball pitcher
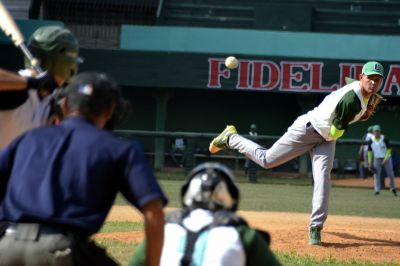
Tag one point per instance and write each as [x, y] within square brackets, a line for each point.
[315, 132]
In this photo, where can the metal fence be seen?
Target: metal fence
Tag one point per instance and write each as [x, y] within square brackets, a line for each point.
[198, 135]
[159, 155]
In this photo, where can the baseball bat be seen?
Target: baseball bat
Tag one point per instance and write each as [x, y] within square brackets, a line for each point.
[11, 30]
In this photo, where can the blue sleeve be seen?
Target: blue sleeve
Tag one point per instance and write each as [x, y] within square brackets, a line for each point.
[139, 185]
[6, 164]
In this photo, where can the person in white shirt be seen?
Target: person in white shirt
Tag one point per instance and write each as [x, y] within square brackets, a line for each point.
[379, 156]
[178, 148]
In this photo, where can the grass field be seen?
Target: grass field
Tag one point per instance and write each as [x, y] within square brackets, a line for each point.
[294, 195]
[278, 195]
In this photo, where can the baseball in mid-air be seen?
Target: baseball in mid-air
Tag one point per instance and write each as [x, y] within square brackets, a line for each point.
[231, 62]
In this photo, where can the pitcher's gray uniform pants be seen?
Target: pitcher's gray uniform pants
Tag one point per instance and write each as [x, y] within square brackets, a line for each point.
[378, 163]
[299, 138]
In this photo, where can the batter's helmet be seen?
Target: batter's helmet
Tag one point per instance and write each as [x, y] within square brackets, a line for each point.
[57, 50]
[210, 186]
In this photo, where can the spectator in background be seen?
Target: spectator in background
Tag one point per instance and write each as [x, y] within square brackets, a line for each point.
[379, 155]
[178, 148]
[207, 230]
[363, 155]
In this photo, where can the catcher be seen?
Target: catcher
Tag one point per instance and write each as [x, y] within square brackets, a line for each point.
[207, 230]
[315, 132]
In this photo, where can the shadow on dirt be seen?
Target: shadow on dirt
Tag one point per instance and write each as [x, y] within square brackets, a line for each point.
[365, 241]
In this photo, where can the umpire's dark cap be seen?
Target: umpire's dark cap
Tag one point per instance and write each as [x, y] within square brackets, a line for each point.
[92, 93]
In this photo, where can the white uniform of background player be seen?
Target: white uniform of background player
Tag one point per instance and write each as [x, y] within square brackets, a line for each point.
[380, 157]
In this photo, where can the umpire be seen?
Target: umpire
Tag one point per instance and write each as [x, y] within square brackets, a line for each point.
[57, 184]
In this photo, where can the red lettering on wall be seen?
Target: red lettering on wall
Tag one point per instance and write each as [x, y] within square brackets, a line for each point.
[244, 73]
[290, 76]
[316, 77]
[358, 71]
[215, 73]
[345, 71]
[259, 69]
[294, 76]
[349, 70]
[392, 79]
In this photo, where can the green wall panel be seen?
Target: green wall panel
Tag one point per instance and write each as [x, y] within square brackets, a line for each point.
[260, 42]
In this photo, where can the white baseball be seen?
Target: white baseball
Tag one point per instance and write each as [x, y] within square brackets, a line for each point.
[231, 62]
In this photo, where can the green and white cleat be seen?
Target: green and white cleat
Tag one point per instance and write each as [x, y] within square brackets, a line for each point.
[221, 141]
[315, 236]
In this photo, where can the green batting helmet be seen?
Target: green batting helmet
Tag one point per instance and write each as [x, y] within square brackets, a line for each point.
[57, 50]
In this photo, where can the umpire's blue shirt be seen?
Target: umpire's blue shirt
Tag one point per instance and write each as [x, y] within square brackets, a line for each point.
[70, 174]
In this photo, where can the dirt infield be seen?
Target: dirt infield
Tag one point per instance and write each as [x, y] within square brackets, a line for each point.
[344, 237]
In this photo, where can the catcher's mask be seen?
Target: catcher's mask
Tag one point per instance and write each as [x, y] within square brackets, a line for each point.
[210, 186]
[57, 50]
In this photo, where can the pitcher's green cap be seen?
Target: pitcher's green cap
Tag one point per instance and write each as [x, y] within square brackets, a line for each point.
[372, 68]
[376, 128]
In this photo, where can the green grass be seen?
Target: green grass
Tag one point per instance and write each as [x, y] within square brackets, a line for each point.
[297, 198]
[285, 179]
[121, 227]
[121, 251]
[292, 259]
[294, 195]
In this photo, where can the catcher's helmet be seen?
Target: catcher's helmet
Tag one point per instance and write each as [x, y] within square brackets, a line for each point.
[57, 50]
[210, 186]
